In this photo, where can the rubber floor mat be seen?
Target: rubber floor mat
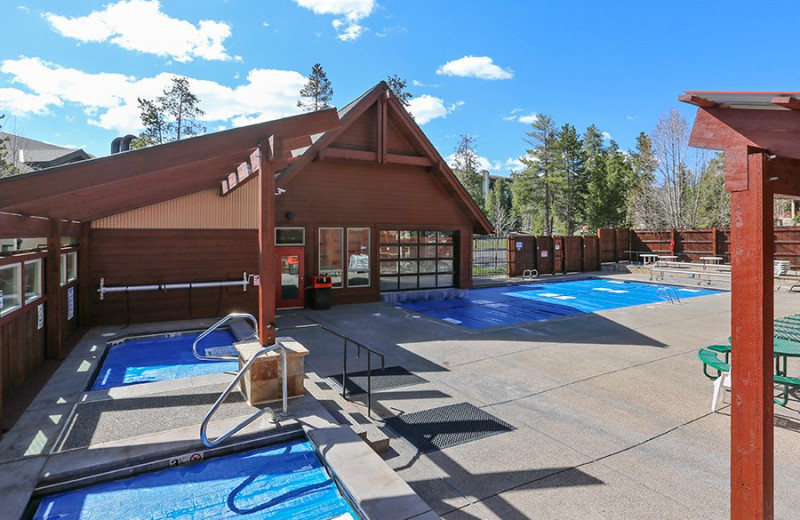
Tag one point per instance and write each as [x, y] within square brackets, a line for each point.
[382, 380]
[446, 426]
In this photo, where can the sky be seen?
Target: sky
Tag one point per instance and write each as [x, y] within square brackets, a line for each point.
[71, 72]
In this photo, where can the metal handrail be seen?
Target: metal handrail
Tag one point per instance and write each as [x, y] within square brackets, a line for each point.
[229, 389]
[669, 292]
[359, 346]
[219, 324]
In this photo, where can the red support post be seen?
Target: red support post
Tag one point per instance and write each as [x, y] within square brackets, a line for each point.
[752, 307]
[266, 239]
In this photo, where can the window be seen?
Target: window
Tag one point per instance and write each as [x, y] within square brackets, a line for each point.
[290, 236]
[330, 254]
[32, 272]
[69, 267]
[10, 288]
[416, 259]
[358, 257]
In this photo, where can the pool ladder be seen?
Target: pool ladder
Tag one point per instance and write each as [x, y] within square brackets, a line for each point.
[224, 395]
[668, 294]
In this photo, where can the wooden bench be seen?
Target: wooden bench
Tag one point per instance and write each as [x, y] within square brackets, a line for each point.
[700, 276]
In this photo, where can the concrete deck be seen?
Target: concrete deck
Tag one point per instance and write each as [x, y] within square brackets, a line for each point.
[611, 414]
[612, 411]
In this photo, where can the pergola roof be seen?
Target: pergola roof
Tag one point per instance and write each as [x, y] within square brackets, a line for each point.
[105, 186]
[745, 100]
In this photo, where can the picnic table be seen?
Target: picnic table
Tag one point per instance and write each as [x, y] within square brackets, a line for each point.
[713, 260]
[668, 258]
[648, 258]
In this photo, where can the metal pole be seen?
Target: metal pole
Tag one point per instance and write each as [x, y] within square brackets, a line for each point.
[344, 371]
[369, 384]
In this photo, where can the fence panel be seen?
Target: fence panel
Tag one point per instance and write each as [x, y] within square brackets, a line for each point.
[573, 254]
[607, 243]
[691, 244]
[521, 254]
[544, 255]
[591, 253]
[489, 256]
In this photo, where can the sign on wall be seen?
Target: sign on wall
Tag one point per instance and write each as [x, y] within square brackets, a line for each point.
[544, 254]
[519, 246]
[40, 316]
[70, 303]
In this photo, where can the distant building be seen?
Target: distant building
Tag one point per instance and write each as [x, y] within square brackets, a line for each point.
[29, 155]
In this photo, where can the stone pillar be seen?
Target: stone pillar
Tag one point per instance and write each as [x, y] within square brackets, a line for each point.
[262, 382]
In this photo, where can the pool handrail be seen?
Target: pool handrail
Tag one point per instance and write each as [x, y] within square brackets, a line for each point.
[224, 395]
[219, 324]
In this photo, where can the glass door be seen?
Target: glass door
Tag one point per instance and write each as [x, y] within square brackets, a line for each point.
[291, 275]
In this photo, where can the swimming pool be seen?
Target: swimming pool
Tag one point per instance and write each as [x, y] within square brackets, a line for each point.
[279, 482]
[159, 358]
[499, 306]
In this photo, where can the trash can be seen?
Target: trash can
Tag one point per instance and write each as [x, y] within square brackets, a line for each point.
[319, 293]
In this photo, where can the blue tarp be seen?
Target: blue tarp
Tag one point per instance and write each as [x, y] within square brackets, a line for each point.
[284, 482]
[499, 306]
[161, 358]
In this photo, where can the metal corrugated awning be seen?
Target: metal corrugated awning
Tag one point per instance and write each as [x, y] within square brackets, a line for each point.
[744, 100]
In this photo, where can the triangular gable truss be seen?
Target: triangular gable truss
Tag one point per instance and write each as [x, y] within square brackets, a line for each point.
[398, 140]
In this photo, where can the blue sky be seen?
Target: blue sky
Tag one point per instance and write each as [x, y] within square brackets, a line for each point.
[70, 72]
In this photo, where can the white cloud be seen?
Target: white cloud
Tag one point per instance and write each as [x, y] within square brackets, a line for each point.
[140, 25]
[606, 136]
[481, 67]
[350, 11]
[426, 108]
[510, 165]
[631, 118]
[514, 116]
[110, 100]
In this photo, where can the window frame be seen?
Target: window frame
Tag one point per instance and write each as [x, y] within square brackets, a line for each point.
[368, 270]
[67, 258]
[39, 263]
[411, 248]
[331, 272]
[20, 290]
[301, 243]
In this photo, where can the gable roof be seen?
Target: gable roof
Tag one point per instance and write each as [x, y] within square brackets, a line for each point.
[30, 154]
[437, 165]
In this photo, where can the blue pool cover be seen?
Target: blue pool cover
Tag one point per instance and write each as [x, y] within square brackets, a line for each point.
[159, 358]
[283, 482]
[500, 306]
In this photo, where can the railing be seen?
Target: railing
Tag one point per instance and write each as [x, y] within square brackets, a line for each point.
[668, 294]
[243, 283]
[219, 324]
[359, 347]
[489, 256]
[224, 395]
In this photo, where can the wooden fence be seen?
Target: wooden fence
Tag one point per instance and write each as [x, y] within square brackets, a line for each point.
[688, 244]
[552, 255]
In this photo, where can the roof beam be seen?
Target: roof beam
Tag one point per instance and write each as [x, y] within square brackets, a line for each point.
[23, 226]
[115, 168]
[790, 102]
[697, 101]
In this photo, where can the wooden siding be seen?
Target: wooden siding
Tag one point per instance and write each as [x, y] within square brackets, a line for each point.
[573, 254]
[362, 134]
[202, 210]
[591, 253]
[134, 257]
[364, 193]
[22, 349]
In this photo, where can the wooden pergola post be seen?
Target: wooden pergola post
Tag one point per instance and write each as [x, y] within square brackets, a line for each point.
[270, 150]
[752, 459]
[53, 292]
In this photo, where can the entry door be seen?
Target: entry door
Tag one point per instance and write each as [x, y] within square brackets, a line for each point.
[291, 275]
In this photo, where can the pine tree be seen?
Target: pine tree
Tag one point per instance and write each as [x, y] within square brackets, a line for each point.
[317, 93]
[642, 207]
[467, 168]
[571, 209]
[715, 202]
[170, 117]
[594, 155]
[398, 87]
[542, 172]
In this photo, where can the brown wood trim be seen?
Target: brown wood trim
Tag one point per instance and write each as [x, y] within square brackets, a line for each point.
[697, 101]
[266, 238]
[346, 154]
[53, 292]
[409, 160]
